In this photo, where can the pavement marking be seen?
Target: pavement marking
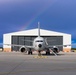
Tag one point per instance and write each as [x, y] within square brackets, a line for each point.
[40, 57]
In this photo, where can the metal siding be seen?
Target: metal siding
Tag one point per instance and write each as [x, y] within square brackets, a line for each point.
[55, 40]
[27, 42]
[21, 40]
[15, 41]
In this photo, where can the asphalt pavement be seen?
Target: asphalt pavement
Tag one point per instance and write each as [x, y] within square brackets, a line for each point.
[16, 63]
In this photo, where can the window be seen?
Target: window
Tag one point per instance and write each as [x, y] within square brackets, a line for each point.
[39, 41]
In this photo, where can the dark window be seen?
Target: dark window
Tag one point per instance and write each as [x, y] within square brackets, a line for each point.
[39, 41]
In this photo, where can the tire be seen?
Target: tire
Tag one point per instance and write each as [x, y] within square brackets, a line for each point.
[29, 52]
[47, 52]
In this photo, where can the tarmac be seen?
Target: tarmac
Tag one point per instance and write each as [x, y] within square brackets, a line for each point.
[16, 63]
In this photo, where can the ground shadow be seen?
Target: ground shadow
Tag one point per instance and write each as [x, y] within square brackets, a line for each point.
[53, 54]
[44, 54]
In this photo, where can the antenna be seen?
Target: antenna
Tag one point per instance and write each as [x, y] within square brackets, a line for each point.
[38, 29]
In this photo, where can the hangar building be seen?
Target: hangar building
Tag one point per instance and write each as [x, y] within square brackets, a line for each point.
[53, 38]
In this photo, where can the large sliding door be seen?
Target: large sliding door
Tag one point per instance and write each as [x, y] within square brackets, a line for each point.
[25, 40]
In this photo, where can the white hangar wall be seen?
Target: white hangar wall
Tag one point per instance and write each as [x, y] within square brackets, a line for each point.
[34, 32]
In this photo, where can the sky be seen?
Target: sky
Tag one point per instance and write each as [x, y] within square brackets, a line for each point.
[55, 15]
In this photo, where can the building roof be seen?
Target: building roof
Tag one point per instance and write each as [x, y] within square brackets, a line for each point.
[34, 32]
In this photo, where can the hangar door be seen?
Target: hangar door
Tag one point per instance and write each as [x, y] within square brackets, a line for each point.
[22, 40]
